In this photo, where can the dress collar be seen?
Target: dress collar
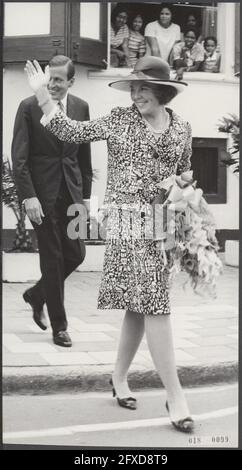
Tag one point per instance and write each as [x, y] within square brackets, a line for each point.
[146, 134]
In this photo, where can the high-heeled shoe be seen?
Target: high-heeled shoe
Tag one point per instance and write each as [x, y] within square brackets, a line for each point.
[183, 425]
[129, 402]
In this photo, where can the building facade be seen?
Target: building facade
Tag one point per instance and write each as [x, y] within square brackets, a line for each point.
[82, 31]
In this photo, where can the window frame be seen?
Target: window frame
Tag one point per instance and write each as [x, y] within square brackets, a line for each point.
[88, 51]
[64, 38]
[203, 142]
[225, 20]
[237, 39]
[18, 48]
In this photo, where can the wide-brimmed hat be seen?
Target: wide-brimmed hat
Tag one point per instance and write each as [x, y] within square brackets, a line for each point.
[150, 69]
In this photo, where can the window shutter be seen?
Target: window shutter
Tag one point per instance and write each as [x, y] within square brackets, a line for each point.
[86, 50]
[42, 47]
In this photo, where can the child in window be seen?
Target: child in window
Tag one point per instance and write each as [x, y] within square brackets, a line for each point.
[188, 55]
[212, 57]
[136, 42]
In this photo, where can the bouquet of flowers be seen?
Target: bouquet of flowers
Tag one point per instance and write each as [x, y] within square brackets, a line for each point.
[192, 225]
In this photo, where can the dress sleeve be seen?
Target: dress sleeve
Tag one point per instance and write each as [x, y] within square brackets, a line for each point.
[178, 33]
[184, 163]
[79, 132]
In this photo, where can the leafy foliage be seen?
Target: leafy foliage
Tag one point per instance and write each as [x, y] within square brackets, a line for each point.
[10, 198]
[231, 125]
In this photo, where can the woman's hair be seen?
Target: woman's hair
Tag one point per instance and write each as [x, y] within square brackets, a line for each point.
[210, 38]
[197, 19]
[166, 5]
[116, 11]
[194, 30]
[59, 61]
[163, 93]
[193, 15]
[132, 18]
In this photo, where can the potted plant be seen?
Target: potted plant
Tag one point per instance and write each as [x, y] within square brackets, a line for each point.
[231, 125]
[20, 262]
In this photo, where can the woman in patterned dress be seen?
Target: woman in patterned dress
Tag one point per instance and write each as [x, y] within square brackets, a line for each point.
[147, 142]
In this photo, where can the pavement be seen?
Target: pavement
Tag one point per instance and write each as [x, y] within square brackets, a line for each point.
[205, 336]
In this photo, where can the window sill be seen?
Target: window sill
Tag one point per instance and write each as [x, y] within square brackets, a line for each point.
[115, 73]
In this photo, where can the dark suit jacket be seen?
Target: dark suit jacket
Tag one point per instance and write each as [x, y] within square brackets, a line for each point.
[40, 159]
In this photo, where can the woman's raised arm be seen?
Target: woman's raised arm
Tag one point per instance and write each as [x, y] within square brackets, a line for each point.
[38, 81]
[55, 120]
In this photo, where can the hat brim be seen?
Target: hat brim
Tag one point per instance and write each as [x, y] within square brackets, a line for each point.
[124, 84]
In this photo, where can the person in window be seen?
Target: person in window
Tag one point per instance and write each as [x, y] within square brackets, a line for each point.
[51, 175]
[136, 43]
[212, 58]
[188, 55]
[119, 38]
[162, 34]
[192, 22]
[147, 142]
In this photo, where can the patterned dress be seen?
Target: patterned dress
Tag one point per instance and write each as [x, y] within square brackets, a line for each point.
[134, 274]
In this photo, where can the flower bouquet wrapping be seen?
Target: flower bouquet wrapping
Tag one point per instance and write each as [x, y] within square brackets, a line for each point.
[192, 225]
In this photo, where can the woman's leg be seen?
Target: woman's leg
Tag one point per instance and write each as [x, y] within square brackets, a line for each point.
[160, 342]
[131, 335]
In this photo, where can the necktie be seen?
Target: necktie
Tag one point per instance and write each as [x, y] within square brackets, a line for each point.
[61, 106]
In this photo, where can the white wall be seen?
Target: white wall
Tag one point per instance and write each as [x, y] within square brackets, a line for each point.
[203, 103]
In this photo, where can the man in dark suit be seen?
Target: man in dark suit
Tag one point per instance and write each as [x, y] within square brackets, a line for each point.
[50, 176]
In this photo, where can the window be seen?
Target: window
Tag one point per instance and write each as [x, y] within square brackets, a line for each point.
[90, 20]
[39, 30]
[89, 33]
[204, 16]
[209, 170]
[21, 41]
[39, 14]
[80, 30]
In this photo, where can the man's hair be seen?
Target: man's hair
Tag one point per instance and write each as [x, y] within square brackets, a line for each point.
[210, 38]
[59, 61]
[163, 93]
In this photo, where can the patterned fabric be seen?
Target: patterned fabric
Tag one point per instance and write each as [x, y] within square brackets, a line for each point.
[190, 56]
[117, 39]
[137, 47]
[211, 62]
[134, 274]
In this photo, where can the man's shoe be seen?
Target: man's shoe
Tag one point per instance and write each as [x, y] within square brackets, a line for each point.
[62, 338]
[38, 312]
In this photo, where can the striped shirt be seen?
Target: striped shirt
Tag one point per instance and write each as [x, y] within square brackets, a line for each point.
[117, 39]
[211, 62]
[137, 47]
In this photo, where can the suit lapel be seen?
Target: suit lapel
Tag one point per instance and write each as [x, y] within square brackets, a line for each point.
[71, 108]
[72, 113]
